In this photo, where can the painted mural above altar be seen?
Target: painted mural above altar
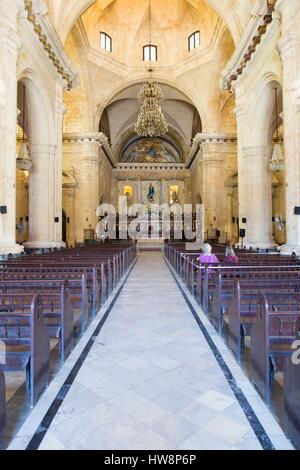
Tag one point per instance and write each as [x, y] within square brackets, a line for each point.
[151, 150]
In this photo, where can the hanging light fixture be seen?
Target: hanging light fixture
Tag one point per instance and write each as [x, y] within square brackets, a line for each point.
[277, 161]
[151, 122]
[23, 159]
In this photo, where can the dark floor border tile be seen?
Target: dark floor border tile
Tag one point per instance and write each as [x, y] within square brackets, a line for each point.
[45, 424]
[252, 418]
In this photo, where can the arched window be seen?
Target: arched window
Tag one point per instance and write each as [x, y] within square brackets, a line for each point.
[105, 42]
[194, 40]
[150, 53]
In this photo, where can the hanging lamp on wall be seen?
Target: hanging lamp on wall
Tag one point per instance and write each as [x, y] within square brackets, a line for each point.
[277, 161]
[23, 159]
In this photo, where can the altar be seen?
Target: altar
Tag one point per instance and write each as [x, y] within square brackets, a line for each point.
[153, 192]
[150, 244]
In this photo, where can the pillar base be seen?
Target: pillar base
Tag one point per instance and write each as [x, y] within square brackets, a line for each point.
[11, 249]
[44, 245]
[288, 250]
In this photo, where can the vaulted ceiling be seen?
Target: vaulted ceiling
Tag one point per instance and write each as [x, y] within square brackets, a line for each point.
[235, 13]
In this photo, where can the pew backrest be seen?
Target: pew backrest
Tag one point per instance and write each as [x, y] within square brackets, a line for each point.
[263, 337]
[30, 330]
[2, 406]
[292, 391]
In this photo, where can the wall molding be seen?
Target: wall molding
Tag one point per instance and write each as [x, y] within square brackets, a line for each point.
[51, 43]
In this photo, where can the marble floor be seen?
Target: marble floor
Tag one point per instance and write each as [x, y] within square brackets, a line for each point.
[152, 381]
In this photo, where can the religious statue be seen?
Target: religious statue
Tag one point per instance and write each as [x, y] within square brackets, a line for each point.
[175, 197]
[129, 198]
[151, 193]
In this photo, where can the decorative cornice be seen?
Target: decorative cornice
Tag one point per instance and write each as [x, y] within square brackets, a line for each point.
[151, 170]
[215, 138]
[51, 44]
[85, 137]
[249, 43]
[97, 138]
[151, 166]
[204, 138]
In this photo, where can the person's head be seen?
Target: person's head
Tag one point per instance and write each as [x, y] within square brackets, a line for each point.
[207, 248]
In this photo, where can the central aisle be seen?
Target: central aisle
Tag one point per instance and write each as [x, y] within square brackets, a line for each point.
[151, 380]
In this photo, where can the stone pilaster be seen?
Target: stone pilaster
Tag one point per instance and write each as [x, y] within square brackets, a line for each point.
[9, 50]
[59, 116]
[42, 197]
[239, 114]
[212, 162]
[82, 153]
[258, 197]
[290, 55]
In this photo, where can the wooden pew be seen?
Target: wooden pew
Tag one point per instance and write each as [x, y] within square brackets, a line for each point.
[222, 293]
[58, 316]
[77, 293]
[2, 405]
[292, 392]
[242, 312]
[57, 308]
[26, 338]
[271, 338]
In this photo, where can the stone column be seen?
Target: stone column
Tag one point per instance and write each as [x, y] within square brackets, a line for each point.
[59, 116]
[212, 162]
[239, 114]
[82, 153]
[229, 212]
[258, 197]
[290, 55]
[188, 198]
[42, 197]
[9, 50]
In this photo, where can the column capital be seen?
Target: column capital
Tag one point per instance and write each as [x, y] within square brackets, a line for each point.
[214, 159]
[283, 6]
[257, 150]
[85, 137]
[10, 38]
[238, 111]
[10, 10]
[61, 108]
[41, 149]
[288, 43]
[214, 137]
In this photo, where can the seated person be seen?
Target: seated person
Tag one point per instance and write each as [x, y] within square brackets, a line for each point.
[207, 257]
[230, 256]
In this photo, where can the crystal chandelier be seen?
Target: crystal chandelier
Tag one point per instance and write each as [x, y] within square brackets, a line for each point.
[277, 162]
[151, 122]
[23, 159]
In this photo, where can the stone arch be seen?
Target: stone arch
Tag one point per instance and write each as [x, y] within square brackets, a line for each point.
[257, 152]
[74, 9]
[40, 130]
[39, 114]
[261, 115]
[139, 80]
